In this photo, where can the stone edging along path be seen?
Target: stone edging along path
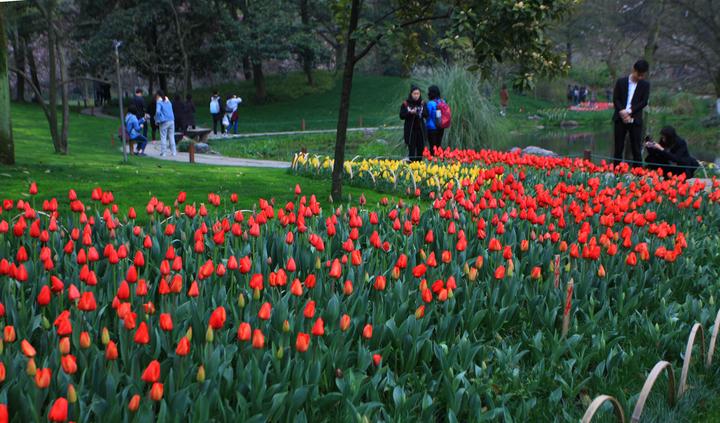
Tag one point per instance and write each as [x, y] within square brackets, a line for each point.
[153, 151]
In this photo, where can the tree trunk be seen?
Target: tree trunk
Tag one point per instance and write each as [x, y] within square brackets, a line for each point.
[247, 68]
[307, 53]
[568, 52]
[19, 55]
[259, 80]
[33, 68]
[7, 146]
[163, 82]
[187, 74]
[344, 109]
[151, 84]
[52, 66]
[651, 44]
[65, 98]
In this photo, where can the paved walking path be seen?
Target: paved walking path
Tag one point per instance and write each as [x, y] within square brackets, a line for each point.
[311, 131]
[153, 150]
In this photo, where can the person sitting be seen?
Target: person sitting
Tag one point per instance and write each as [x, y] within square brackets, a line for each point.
[671, 154]
[134, 127]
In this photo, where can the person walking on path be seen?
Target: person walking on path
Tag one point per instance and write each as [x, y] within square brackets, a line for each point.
[414, 113]
[165, 118]
[216, 112]
[189, 112]
[435, 131]
[231, 111]
[504, 100]
[134, 127]
[630, 97]
[139, 102]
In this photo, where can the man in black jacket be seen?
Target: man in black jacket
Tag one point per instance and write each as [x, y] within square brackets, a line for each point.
[630, 97]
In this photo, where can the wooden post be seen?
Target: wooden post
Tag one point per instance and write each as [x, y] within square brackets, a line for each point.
[191, 151]
[302, 125]
[360, 122]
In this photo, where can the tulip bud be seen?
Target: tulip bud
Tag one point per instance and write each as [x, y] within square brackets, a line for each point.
[200, 374]
[209, 335]
[450, 293]
[45, 323]
[105, 336]
[318, 264]
[510, 267]
[64, 345]
[473, 274]
[286, 326]
[420, 312]
[2, 346]
[241, 300]
[84, 340]
[466, 269]
[280, 353]
[367, 277]
[256, 294]
[156, 392]
[188, 334]
[71, 394]
[601, 271]
[31, 368]
[396, 273]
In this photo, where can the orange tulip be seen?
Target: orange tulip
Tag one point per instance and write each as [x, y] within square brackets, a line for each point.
[367, 331]
[43, 378]
[344, 322]
[303, 342]
[134, 403]
[59, 410]
[244, 332]
[156, 392]
[258, 339]
[27, 348]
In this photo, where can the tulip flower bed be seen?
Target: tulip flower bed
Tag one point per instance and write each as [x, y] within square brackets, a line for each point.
[302, 312]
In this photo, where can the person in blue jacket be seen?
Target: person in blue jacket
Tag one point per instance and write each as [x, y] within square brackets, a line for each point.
[165, 119]
[434, 131]
[134, 128]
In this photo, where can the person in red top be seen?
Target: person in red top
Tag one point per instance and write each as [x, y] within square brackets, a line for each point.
[504, 100]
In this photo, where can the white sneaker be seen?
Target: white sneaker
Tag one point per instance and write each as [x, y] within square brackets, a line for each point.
[162, 154]
[174, 154]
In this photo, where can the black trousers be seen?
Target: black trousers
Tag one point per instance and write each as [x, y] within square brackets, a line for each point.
[416, 145]
[435, 139]
[217, 121]
[635, 131]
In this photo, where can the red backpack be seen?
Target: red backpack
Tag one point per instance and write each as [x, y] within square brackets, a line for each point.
[445, 113]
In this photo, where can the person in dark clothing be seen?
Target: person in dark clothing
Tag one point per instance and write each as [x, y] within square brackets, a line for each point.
[140, 108]
[414, 113]
[153, 125]
[630, 98]
[179, 110]
[189, 112]
[671, 154]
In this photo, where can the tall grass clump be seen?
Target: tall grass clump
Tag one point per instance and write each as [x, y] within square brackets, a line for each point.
[476, 123]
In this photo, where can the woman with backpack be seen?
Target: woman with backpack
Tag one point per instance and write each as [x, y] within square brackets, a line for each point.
[414, 113]
[435, 130]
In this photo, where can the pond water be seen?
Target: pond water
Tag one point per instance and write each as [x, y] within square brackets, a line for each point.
[573, 142]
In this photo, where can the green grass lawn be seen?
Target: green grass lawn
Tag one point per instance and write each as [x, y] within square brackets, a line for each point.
[94, 162]
[386, 143]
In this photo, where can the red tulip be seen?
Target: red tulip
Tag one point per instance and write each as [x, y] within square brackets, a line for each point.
[152, 372]
[43, 297]
[87, 302]
[244, 332]
[500, 272]
[217, 318]
[367, 331]
[111, 352]
[265, 311]
[69, 364]
[43, 378]
[27, 349]
[156, 392]
[303, 342]
[377, 358]
[134, 403]
[318, 328]
[536, 273]
[166, 322]
[335, 269]
[309, 311]
[59, 410]
[141, 334]
[258, 339]
[344, 322]
[183, 347]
